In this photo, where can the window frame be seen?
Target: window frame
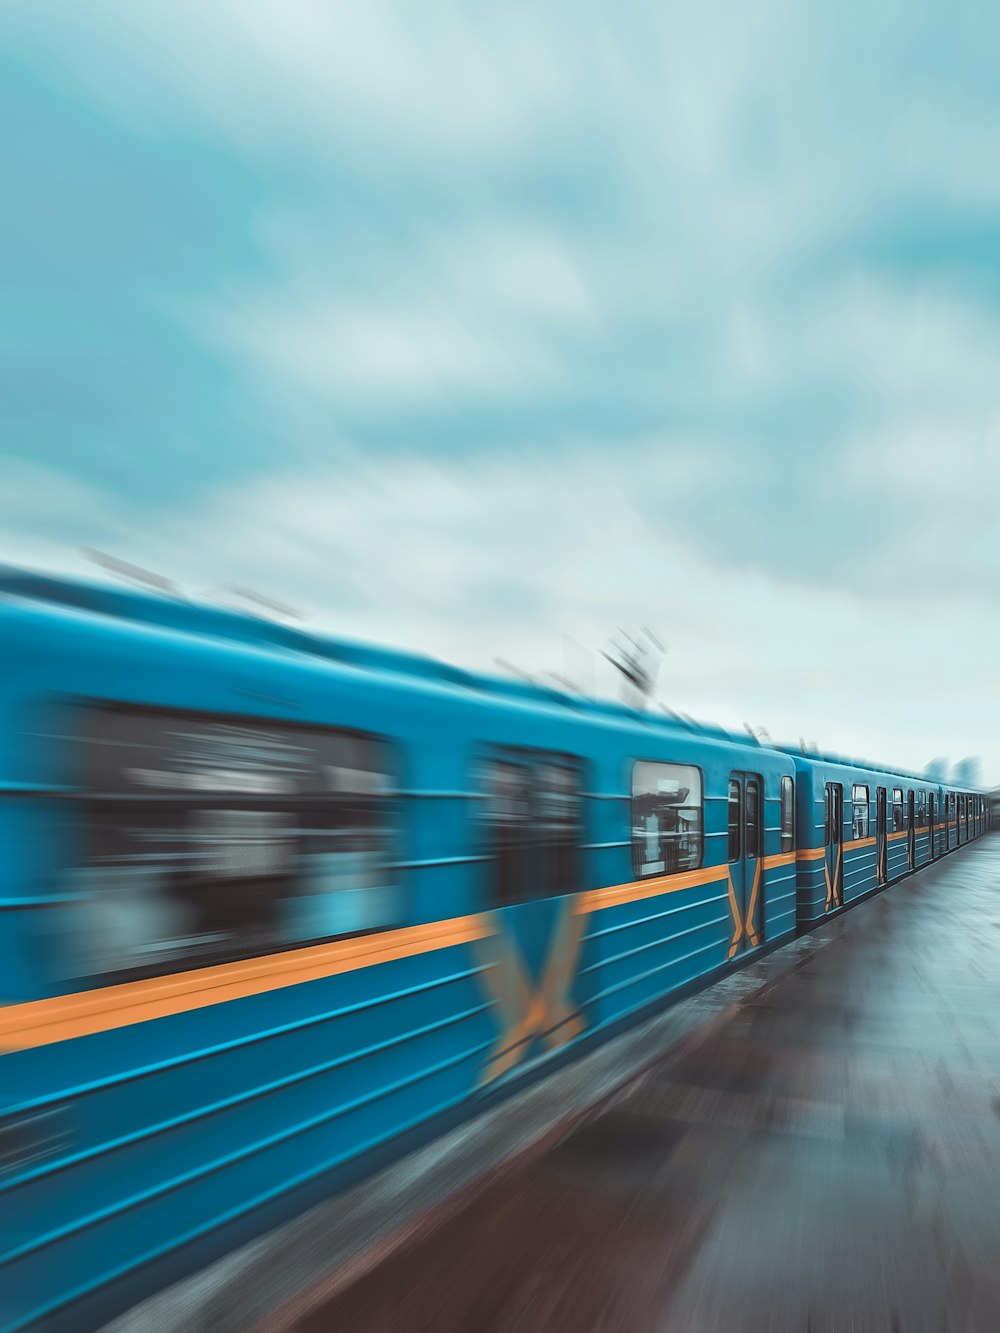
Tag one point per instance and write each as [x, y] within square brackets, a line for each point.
[901, 804]
[188, 807]
[757, 825]
[732, 825]
[856, 806]
[633, 841]
[531, 845]
[787, 837]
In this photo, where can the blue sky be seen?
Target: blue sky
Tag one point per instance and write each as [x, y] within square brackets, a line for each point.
[473, 327]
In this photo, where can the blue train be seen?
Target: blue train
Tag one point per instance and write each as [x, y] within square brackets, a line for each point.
[276, 908]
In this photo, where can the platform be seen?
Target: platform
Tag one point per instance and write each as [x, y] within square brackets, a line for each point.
[814, 1144]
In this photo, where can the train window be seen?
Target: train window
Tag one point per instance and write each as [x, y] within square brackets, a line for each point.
[787, 814]
[215, 839]
[666, 818]
[533, 817]
[897, 809]
[559, 816]
[734, 820]
[860, 826]
[753, 818]
[826, 815]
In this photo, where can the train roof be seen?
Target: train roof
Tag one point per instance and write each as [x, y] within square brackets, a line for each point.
[203, 619]
[174, 612]
[865, 766]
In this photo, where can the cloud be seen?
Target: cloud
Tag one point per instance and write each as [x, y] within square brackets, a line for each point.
[277, 78]
[479, 314]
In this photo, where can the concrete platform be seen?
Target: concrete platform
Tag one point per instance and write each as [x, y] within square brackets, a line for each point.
[825, 1157]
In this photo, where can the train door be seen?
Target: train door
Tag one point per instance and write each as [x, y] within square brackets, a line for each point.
[881, 844]
[911, 835]
[930, 823]
[746, 860]
[833, 839]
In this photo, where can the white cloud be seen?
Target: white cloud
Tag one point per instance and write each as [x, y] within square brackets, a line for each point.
[385, 355]
[471, 314]
[307, 73]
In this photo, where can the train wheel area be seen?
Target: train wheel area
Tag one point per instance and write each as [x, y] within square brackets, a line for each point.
[811, 1143]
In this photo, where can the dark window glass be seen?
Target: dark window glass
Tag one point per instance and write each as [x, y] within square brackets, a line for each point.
[826, 816]
[533, 813]
[508, 817]
[837, 820]
[753, 817]
[860, 824]
[666, 818]
[787, 814]
[558, 815]
[734, 820]
[897, 808]
[214, 839]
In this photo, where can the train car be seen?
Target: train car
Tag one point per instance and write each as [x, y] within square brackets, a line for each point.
[277, 908]
[861, 828]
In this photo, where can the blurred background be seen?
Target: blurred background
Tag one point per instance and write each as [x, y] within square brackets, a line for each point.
[490, 330]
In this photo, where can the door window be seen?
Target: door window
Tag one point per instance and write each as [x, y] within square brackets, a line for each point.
[735, 821]
[787, 814]
[859, 828]
[753, 818]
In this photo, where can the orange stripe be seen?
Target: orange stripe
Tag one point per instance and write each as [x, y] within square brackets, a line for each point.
[41, 1022]
[895, 837]
[779, 859]
[596, 900]
[859, 842]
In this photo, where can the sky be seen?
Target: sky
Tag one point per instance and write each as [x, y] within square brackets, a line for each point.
[495, 329]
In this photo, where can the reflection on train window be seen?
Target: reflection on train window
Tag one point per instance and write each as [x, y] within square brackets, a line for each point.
[860, 826]
[533, 815]
[209, 840]
[787, 814]
[897, 809]
[735, 823]
[666, 818]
